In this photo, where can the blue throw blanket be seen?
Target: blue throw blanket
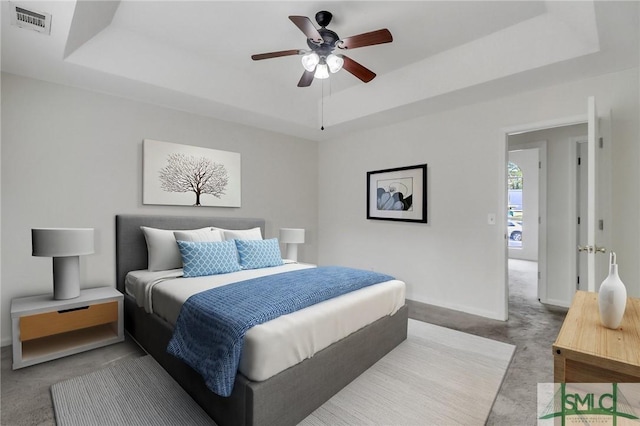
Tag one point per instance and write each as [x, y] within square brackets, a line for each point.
[209, 333]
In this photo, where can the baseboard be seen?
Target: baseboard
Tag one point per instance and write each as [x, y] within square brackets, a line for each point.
[5, 342]
[554, 302]
[459, 308]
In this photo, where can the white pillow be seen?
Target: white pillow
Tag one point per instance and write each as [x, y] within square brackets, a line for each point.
[208, 235]
[242, 234]
[162, 249]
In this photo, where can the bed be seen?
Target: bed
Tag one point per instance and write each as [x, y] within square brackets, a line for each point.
[282, 399]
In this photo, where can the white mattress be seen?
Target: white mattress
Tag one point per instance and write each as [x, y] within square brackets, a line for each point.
[276, 345]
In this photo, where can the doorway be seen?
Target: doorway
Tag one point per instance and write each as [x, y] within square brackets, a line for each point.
[554, 222]
[531, 156]
[523, 198]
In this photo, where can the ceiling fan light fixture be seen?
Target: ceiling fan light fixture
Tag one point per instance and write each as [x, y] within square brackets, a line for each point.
[334, 62]
[322, 71]
[310, 60]
[319, 60]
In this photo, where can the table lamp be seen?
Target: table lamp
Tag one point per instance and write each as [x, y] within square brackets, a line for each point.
[291, 237]
[65, 245]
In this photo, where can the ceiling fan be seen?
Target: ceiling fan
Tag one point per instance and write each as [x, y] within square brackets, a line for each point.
[322, 59]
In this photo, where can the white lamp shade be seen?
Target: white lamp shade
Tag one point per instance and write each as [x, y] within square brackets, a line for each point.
[65, 245]
[62, 242]
[292, 235]
[334, 62]
[322, 71]
[310, 60]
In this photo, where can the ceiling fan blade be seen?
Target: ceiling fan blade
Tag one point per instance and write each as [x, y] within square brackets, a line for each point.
[276, 54]
[358, 70]
[306, 79]
[366, 39]
[307, 27]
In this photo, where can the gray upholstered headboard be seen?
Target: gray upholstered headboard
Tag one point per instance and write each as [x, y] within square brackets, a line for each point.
[131, 247]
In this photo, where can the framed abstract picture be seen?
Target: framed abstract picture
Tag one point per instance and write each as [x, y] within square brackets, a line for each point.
[398, 194]
[183, 175]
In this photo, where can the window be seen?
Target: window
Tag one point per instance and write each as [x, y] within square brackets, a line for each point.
[515, 176]
[514, 223]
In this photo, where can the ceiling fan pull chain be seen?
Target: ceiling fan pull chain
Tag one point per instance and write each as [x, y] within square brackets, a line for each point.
[322, 107]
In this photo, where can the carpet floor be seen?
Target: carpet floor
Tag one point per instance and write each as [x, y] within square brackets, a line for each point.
[437, 376]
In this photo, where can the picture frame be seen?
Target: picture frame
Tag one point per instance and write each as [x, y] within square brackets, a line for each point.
[398, 194]
[184, 175]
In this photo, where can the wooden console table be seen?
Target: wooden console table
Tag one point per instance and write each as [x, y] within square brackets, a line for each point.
[588, 352]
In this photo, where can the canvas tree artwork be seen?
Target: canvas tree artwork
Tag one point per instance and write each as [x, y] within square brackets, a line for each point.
[176, 174]
[200, 175]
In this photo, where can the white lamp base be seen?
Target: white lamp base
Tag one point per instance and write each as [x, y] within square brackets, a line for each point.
[292, 252]
[66, 277]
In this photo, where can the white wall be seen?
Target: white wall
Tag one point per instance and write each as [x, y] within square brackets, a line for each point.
[527, 160]
[73, 158]
[457, 260]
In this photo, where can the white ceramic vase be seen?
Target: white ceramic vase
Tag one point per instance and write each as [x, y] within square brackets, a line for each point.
[612, 297]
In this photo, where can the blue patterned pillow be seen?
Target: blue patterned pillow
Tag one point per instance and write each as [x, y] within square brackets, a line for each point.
[256, 254]
[208, 258]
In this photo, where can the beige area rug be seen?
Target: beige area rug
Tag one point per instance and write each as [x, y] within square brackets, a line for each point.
[438, 376]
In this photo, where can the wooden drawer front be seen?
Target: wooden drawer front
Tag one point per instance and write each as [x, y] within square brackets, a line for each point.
[51, 323]
[579, 372]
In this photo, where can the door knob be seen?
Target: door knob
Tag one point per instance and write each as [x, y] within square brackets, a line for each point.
[601, 249]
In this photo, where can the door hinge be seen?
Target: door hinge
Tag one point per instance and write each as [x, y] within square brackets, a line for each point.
[578, 220]
[601, 142]
[601, 224]
[539, 275]
[539, 164]
[578, 283]
[579, 161]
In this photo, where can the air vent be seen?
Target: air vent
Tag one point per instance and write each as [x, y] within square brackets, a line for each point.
[31, 19]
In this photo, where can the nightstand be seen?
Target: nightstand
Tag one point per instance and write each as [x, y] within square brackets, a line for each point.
[44, 329]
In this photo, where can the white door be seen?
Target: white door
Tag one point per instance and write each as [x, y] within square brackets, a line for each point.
[582, 160]
[593, 251]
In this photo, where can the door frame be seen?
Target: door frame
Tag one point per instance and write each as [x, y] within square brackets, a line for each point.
[504, 197]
